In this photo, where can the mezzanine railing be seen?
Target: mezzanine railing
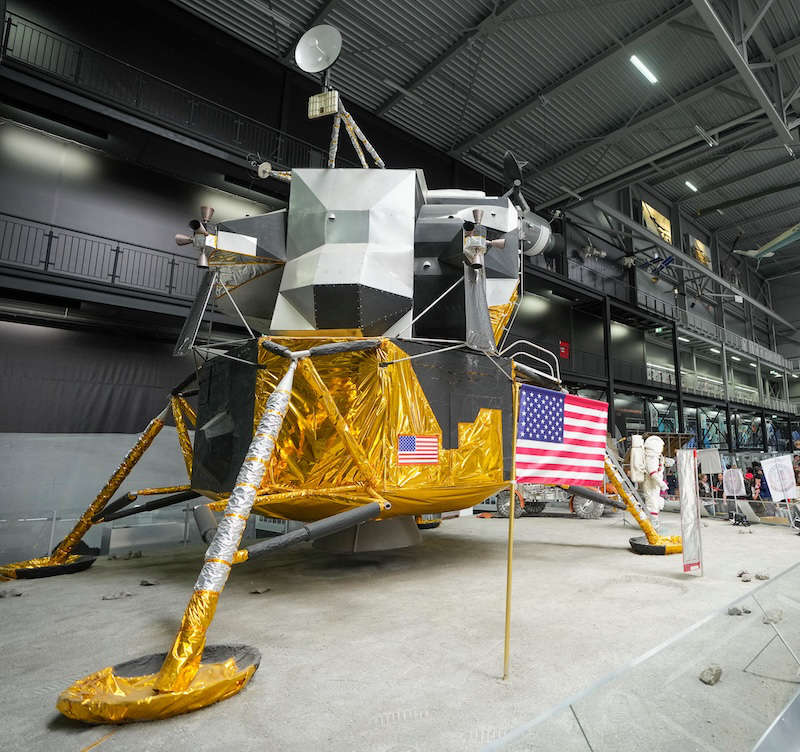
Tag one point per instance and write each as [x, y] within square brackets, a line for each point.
[619, 289]
[62, 251]
[49, 55]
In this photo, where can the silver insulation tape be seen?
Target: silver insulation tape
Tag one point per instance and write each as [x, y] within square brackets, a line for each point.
[334, 147]
[225, 544]
[213, 576]
[367, 145]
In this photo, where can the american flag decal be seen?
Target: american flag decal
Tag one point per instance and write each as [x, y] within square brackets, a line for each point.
[561, 438]
[417, 449]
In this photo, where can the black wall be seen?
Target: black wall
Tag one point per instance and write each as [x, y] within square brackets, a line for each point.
[63, 381]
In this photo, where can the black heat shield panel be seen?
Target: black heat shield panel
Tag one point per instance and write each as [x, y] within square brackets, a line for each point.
[447, 319]
[224, 419]
[458, 383]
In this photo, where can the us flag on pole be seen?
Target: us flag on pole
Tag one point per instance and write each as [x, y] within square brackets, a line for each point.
[561, 438]
[417, 449]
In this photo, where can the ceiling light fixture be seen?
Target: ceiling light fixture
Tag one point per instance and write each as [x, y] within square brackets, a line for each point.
[691, 186]
[715, 351]
[643, 69]
[684, 339]
[752, 365]
[735, 357]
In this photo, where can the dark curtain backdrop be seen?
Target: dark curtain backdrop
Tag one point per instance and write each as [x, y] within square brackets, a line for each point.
[65, 381]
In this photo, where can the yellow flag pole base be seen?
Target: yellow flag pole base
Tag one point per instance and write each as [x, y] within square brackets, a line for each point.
[665, 545]
[44, 567]
[126, 693]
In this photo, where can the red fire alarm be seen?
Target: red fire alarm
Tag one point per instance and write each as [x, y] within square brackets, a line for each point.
[563, 349]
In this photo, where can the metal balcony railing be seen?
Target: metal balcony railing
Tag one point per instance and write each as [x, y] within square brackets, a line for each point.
[28, 244]
[47, 54]
[619, 289]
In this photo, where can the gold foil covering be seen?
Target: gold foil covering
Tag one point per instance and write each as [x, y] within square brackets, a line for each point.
[103, 697]
[157, 491]
[500, 315]
[188, 410]
[183, 435]
[85, 522]
[376, 404]
[9, 571]
[183, 660]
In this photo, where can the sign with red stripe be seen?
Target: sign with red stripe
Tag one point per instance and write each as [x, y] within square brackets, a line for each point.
[417, 449]
[561, 438]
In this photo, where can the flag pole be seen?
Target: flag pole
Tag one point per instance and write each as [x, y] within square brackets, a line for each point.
[511, 509]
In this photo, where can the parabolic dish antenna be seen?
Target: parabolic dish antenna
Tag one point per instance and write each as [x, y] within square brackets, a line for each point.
[318, 48]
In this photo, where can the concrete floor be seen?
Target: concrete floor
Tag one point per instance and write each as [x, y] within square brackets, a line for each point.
[392, 652]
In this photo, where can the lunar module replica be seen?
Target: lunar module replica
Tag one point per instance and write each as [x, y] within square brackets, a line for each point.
[379, 395]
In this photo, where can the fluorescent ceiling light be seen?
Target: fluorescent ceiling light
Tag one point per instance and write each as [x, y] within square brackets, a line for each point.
[715, 351]
[794, 375]
[735, 357]
[684, 339]
[643, 69]
[752, 365]
[691, 186]
[661, 368]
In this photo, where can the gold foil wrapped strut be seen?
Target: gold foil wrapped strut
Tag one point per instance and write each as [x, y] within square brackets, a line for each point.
[85, 522]
[182, 662]
[188, 410]
[183, 435]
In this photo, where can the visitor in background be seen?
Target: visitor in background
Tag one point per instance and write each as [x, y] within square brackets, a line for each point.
[763, 487]
[717, 486]
[748, 482]
[704, 485]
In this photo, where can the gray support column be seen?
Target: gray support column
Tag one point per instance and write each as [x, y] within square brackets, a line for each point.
[764, 442]
[676, 357]
[609, 361]
[626, 202]
[729, 428]
[759, 382]
[676, 226]
[719, 310]
[724, 356]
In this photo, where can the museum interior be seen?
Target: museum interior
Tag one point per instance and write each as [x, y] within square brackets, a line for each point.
[456, 343]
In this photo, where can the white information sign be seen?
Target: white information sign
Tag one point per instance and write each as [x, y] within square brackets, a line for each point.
[780, 477]
[709, 460]
[733, 482]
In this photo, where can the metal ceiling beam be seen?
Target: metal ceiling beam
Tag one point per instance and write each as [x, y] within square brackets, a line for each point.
[752, 25]
[653, 157]
[687, 260]
[534, 100]
[617, 134]
[711, 187]
[733, 53]
[718, 82]
[703, 211]
[744, 221]
[486, 24]
[689, 28]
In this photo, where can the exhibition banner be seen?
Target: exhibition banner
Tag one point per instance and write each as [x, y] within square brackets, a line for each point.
[690, 511]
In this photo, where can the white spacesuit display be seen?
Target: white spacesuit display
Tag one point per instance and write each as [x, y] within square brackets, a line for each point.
[653, 483]
[637, 469]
